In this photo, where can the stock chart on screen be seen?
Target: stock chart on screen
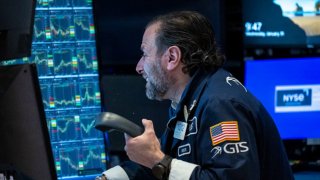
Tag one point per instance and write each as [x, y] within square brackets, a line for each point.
[64, 50]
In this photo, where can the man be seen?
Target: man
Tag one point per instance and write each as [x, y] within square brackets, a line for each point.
[217, 130]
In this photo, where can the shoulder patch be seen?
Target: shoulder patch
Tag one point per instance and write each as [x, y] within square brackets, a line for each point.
[224, 131]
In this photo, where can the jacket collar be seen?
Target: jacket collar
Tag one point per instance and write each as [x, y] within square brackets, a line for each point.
[190, 96]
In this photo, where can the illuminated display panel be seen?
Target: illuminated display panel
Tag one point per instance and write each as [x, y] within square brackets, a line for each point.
[290, 91]
[64, 50]
[281, 23]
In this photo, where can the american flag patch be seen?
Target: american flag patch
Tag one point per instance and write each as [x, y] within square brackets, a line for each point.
[224, 131]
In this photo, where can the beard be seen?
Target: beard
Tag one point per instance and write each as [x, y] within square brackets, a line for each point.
[157, 81]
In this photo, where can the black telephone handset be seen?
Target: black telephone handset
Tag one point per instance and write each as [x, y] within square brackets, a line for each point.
[108, 121]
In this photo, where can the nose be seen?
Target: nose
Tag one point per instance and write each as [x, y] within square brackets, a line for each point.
[139, 67]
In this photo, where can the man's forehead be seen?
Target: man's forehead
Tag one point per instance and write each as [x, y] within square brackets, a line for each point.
[149, 36]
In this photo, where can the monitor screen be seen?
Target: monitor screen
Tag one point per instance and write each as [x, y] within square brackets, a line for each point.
[16, 28]
[64, 51]
[290, 91]
[281, 23]
[24, 136]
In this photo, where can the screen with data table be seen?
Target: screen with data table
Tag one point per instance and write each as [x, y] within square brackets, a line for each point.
[64, 51]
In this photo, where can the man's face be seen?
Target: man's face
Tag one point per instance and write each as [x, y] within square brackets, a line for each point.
[150, 66]
[157, 82]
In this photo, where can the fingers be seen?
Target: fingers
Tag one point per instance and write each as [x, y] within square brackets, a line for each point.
[127, 137]
[148, 125]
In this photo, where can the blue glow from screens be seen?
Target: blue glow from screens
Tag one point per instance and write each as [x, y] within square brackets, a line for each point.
[290, 91]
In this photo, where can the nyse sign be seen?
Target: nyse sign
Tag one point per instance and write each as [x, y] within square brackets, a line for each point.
[295, 98]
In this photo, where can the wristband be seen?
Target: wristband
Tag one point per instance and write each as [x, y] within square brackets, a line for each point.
[161, 170]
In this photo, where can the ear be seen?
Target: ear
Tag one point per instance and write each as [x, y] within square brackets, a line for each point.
[174, 57]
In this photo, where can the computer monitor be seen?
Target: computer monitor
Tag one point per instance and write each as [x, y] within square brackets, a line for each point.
[290, 91]
[281, 28]
[24, 136]
[16, 28]
[281, 23]
[64, 50]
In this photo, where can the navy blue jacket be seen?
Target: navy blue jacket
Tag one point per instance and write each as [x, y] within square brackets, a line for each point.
[229, 135]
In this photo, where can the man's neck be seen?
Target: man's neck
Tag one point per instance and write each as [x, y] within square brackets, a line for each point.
[177, 89]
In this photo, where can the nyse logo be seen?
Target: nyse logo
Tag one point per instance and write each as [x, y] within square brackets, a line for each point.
[297, 97]
[293, 97]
